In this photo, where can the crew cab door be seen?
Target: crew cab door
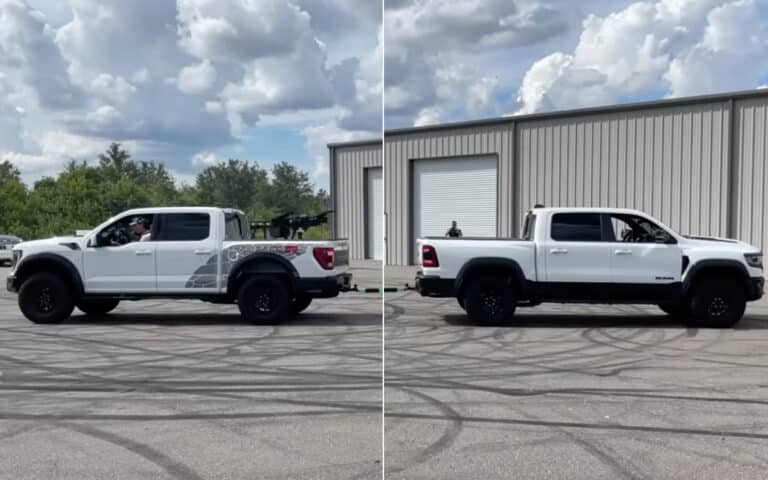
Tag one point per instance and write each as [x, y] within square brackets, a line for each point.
[575, 257]
[187, 252]
[645, 258]
[110, 267]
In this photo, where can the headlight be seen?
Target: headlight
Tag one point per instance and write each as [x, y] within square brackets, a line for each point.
[754, 259]
[15, 259]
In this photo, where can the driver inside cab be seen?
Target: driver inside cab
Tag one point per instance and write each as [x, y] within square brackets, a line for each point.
[141, 229]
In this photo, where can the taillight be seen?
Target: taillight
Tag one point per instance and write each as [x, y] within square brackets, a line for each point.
[325, 257]
[429, 256]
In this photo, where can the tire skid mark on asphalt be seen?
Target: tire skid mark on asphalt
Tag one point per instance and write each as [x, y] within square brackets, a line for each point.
[587, 426]
[444, 442]
[182, 417]
[164, 462]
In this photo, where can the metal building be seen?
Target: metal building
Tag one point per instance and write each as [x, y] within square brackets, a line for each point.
[357, 197]
[697, 163]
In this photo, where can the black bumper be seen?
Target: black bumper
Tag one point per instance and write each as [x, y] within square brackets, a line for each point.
[429, 286]
[756, 288]
[10, 284]
[324, 287]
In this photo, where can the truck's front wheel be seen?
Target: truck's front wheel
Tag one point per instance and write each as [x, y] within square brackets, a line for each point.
[490, 300]
[46, 298]
[718, 303]
[264, 299]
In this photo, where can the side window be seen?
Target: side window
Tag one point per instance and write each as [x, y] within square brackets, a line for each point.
[181, 227]
[634, 229]
[529, 227]
[576, 227]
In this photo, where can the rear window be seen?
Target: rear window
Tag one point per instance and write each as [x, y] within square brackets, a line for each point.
[529, 226]
[184, 227]
[236, 227]
[576, 227]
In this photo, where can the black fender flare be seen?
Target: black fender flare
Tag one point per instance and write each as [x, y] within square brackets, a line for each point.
[496, 263]
[263, 263]
[703, 266]
[37, 262]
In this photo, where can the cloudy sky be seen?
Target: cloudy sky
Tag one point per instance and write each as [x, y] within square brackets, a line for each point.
[187, 82]
[462, 59]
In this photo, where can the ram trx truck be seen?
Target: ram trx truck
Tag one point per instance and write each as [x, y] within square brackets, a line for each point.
[593, 255]
[179, 252]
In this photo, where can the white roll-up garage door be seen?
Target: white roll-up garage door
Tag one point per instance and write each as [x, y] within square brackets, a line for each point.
[374, 219]
[455, 189]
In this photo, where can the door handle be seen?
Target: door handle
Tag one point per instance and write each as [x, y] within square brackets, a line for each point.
[204, 251]
[623, 252]
[143, 252]
[558, 251]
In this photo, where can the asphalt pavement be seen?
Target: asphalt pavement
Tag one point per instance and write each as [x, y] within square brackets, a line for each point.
[572, 392]
[187, 390]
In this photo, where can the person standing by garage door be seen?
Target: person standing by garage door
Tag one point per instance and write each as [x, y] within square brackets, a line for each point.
[454, 231]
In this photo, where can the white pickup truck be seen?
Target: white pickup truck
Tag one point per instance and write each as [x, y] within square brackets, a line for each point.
[593, 255]
[178, 252]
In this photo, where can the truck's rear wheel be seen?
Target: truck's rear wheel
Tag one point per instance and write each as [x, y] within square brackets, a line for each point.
[264, 299]
[718, 303]
[490, 300]
[301, 303]
[46, 298]
[97, 306]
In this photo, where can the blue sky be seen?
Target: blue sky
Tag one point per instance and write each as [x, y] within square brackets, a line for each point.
[450, 60]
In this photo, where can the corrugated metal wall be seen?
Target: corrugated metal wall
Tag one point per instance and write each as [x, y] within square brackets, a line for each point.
[669, 162]
[751, 172]
[348, 193]
[401, 150]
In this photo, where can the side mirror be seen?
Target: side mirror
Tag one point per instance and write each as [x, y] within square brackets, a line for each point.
[662, 237]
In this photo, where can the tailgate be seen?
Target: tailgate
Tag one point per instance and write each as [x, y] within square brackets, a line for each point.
[341, 251]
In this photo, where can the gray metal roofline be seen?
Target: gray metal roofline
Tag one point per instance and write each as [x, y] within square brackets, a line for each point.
[624, 107]
[356, 143]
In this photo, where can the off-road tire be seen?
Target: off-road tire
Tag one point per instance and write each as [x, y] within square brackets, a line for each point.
[46, 298]
[718, 303]
[490, 300]
[97, 306]
[264, 300]
[301, 303]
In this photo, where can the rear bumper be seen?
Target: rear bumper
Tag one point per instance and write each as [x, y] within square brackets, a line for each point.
[756, 288]
[324, 287]
[431, 286]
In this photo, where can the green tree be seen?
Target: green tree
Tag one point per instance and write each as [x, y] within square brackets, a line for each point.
[8, 171]
[290, 190]
[235, 183]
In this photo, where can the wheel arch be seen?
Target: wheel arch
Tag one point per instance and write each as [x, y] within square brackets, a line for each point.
[502, 265]
[260, 263]
[49, 263]
[704, 268]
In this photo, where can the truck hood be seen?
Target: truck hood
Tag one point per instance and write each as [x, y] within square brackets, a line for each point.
[64, 242]
[720, 242]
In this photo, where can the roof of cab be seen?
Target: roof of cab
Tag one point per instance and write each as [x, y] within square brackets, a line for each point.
[158, 210]
[587, 209]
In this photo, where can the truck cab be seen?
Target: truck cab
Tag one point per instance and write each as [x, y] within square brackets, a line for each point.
[596, 255]
[205, 253]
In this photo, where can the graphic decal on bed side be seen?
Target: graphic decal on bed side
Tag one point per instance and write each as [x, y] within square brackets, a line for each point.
[205, 276]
